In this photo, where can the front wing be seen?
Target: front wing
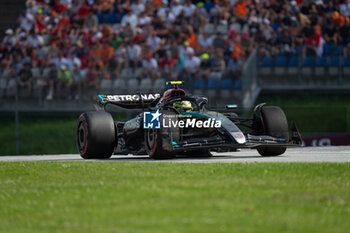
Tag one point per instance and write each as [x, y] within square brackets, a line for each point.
[217, 142]
[252, 141]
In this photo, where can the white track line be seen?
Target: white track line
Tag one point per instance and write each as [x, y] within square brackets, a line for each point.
[340, 154]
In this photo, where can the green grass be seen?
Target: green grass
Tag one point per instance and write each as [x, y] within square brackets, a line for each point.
[315, 114]
[158, 197]
[39, 135]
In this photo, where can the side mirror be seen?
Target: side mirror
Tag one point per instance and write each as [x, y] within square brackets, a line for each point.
[231, 106]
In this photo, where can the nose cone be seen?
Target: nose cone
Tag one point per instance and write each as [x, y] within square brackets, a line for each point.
[239, 137]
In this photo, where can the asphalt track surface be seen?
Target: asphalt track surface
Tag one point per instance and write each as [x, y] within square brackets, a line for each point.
[333, 154]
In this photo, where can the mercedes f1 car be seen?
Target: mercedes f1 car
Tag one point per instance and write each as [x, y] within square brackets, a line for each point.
[174, 123]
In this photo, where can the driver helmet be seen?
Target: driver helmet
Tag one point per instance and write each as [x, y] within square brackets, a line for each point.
[183, 106]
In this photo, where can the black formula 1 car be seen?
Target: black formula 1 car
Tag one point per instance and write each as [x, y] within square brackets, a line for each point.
[177, 124]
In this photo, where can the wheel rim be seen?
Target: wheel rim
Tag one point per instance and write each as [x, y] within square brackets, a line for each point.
[151, 138]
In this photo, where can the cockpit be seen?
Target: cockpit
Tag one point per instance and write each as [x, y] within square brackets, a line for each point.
[185, 104]
[178, 100]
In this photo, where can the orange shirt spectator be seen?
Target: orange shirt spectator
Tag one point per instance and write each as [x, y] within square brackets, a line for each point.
[94, 53]
[337, 19]
[237, 50]
[105, 3]
[241, 8]
[318, 30]
[192, 40]
[157, 3]
[101, 65]
[106, 31]
[106, 52]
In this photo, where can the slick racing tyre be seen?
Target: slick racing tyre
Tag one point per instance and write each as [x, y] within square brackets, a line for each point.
[153, 145]
[95, 135]
[276, 125]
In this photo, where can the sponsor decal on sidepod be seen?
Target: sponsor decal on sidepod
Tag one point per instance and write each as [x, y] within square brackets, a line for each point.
[151, 120]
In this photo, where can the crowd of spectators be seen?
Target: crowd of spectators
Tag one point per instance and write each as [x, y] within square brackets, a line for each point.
[303, 28]
[65, 46]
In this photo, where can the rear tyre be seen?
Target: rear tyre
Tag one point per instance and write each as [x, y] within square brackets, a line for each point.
[153, 145]
[95, 135]
[275, 124]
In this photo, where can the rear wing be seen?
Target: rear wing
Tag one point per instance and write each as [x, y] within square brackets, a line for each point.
[134, 101]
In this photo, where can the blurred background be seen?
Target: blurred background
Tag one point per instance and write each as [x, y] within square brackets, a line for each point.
[57, 55]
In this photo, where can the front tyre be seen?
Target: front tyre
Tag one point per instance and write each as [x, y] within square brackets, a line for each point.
[95, 137]
[154, 146]
[275, 124]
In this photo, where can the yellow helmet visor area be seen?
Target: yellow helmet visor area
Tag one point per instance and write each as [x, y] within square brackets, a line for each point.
[184, 106]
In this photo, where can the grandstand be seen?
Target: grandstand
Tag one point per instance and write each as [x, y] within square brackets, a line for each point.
[229, 50]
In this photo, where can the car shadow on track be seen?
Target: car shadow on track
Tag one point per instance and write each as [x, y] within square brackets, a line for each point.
[178, 158]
